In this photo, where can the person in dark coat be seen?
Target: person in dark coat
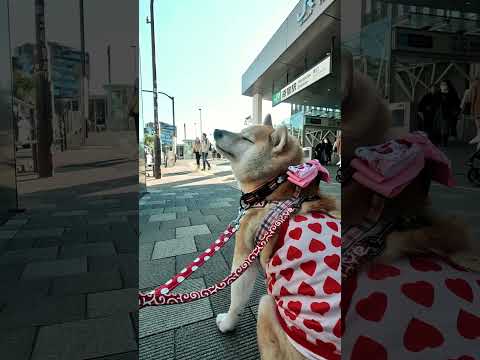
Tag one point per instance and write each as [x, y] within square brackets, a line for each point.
[450, 110]
[427, 109]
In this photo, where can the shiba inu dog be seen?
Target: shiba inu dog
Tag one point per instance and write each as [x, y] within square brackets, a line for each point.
[302, 262]
[406, 303]
[366, 121]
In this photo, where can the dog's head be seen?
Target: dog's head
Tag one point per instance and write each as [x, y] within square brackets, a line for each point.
[366, 117]
[258, 153]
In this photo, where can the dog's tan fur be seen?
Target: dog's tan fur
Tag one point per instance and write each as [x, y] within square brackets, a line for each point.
[258, 154]
[366, 121]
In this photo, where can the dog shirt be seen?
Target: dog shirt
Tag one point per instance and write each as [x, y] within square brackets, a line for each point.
[417, 308]
[304, 278]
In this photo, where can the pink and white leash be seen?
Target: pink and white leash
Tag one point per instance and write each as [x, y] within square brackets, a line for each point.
[161, 296]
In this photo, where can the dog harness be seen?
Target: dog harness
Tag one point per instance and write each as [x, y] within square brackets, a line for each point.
[304, 278]
[388, 169]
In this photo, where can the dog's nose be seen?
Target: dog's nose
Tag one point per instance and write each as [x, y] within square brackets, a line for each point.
[217, 134]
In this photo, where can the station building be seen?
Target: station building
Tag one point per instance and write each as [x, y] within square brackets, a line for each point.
[300, 66]
[407, 46]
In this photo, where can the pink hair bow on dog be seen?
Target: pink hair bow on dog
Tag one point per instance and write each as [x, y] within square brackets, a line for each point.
[303, 174]
[388, 168]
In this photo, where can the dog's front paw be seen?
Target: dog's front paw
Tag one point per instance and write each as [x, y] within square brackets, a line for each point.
[225, 322]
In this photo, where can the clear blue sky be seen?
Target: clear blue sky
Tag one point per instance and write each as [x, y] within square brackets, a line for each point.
[203, 47]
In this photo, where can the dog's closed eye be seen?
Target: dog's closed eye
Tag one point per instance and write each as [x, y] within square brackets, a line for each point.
[247, 139]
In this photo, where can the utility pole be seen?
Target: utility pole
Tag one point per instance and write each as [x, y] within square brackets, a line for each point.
[157, 143]
[174, 130]
[83, 85]
[201, 129]
[184, 131]
[134, 48]
[109, 64]
[43, 103]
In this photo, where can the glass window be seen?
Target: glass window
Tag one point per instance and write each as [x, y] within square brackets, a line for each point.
[400, 10]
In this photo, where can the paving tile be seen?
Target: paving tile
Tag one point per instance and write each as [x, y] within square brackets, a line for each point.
[150, 233]
[207, 219]
[189, 213]
[178, 246]
[145, 252]
[34, 311]
[10, 289]
[254, 310]
[217, 205]
[29, 255]
[85, 339]
[17, 344]
[97, 249]
[198, 339]
[33, 233]
[112, 302]
[107, 220]
[11, 272]
[173, 224]
[122, 213]
[215, 268]
[93, 281]
[3, 244]
[162, 217]
[192, 230]
[71, 213]
[131, 355]
[153, 320]
[7, 234]
[175, 209]
[55, 268]
[21, 243]
[15, 223]
[159, 346]
[156, 272]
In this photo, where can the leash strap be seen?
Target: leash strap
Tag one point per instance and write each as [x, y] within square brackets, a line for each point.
[161, 295]
[361, 243]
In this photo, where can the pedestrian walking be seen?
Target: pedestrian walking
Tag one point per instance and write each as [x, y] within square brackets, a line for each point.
[205, 145]
[197, 149]
[338, 147]
[447, 116]
[427, 108]
[328, 150]
[133, 109]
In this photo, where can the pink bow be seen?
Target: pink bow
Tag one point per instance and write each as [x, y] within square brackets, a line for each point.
[388, 168]
[303, 174]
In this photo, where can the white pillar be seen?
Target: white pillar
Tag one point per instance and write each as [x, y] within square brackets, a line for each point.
[257, 108]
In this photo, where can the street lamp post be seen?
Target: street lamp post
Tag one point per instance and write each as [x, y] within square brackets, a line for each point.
[157, 142]
[201, 129]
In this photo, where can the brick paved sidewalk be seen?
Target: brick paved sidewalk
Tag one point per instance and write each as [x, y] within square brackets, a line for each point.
[178, 220]
[68, 265]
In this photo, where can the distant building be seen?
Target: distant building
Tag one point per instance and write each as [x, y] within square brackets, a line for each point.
[64, 70]
[64, 66]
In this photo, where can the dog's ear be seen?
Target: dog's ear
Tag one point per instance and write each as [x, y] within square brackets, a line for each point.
[279, 139]
[347, 74]
[267, 121]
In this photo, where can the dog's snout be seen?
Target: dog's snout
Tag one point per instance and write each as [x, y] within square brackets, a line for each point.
[217, 134]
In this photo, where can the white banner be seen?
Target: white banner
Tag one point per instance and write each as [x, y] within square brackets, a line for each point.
[319, 71]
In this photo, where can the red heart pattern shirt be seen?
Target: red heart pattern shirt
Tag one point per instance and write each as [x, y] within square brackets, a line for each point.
[304, 278]
[420, 308]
